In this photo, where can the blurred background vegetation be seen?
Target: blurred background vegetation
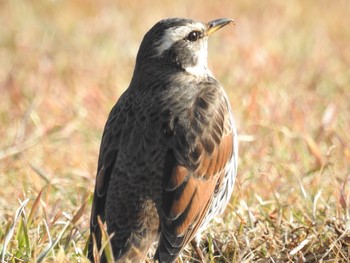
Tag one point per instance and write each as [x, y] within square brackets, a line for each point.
[286, 68]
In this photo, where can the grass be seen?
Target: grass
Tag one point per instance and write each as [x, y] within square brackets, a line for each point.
[285, 67]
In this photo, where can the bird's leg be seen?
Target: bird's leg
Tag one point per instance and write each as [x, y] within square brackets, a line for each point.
[196, 248]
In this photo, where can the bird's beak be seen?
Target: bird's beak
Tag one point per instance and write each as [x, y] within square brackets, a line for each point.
[215, 25]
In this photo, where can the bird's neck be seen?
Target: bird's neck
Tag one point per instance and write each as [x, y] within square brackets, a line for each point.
[199, 71]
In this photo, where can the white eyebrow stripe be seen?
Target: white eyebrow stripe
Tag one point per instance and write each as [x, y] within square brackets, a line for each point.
[172, 35]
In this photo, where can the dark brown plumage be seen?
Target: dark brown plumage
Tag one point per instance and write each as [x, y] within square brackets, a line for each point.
[168, 154]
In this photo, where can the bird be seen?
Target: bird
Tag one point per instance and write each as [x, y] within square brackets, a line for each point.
[168, 156]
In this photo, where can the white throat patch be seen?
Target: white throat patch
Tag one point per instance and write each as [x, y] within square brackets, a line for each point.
[201, 68]
[175, 34]
[199, 71]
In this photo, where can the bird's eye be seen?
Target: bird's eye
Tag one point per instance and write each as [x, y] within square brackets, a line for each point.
[194, 35]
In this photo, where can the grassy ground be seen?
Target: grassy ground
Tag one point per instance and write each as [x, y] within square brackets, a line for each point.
[286, 68]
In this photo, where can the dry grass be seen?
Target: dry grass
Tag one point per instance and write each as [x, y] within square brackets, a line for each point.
[285, 67]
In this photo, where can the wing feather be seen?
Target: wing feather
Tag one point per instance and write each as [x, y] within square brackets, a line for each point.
[107, 157]
[201, 158]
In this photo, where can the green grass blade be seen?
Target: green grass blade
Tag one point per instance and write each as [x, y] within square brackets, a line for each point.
[11, 230]
[51, 245]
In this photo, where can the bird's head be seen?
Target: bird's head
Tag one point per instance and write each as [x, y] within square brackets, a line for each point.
[180, 43]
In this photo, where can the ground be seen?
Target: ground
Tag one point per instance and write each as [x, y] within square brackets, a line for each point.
[286, 69]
